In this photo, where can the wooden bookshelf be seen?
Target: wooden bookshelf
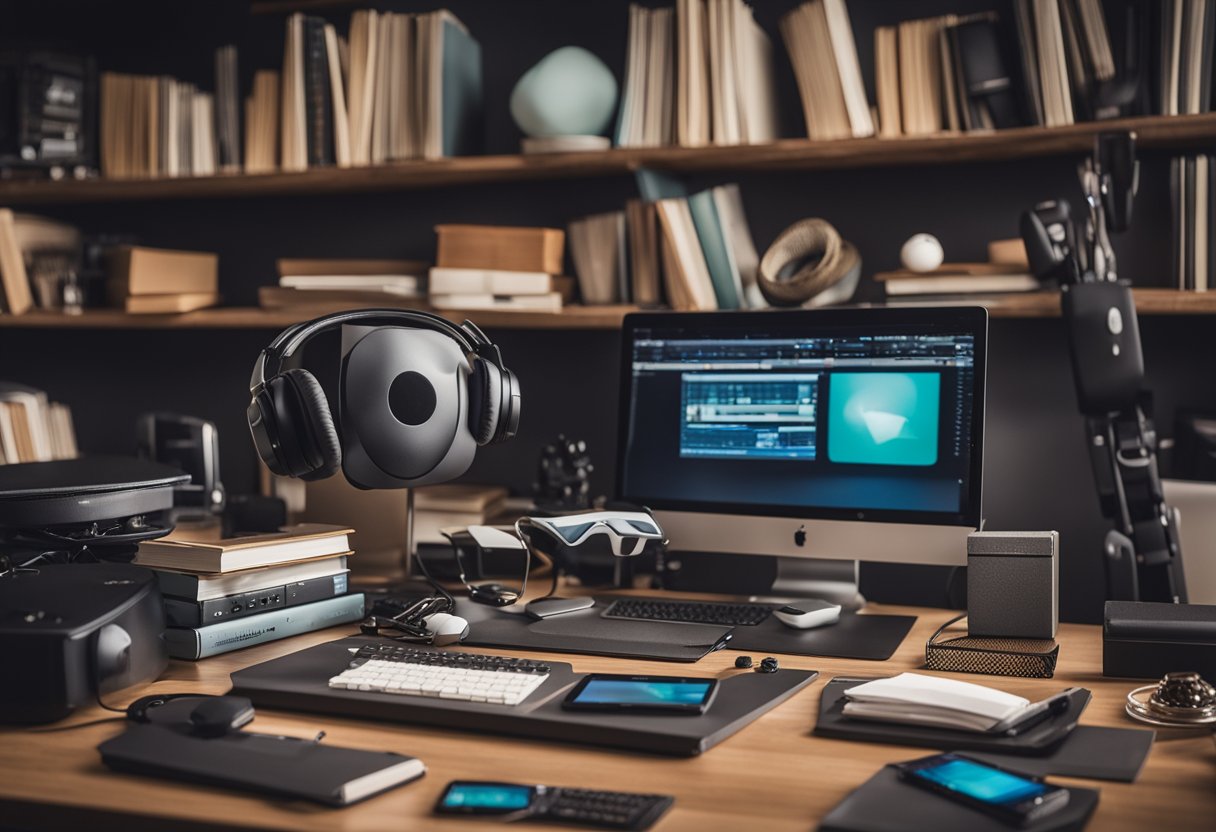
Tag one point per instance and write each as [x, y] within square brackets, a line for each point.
[1036, 305]
[1156, 132]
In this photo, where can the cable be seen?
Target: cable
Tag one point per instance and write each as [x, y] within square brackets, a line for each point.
[59, 728]
[103, 705]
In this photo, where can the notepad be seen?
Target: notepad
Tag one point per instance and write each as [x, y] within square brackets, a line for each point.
[917, 699]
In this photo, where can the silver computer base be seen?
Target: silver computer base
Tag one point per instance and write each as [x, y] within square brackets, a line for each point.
[835, 581]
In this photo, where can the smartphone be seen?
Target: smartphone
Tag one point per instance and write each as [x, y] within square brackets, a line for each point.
[1013, 798]
[468, 797]
[648, 694]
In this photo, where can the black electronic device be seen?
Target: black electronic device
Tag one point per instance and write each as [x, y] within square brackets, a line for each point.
[572, 807]
[76, 631]
[1013, 798]
[1145, 640]
[192, 445]
[418, 395]
[48, 104]
[182, 612]
[1051, 241]
[609, 692]
[691, 612]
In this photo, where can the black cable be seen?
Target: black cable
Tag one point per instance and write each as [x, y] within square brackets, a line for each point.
[59, 728]
[103, 705]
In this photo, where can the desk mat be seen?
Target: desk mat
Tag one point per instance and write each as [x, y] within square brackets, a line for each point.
[884, 803]
[872, 637]
[299, 682]
[1058, 746]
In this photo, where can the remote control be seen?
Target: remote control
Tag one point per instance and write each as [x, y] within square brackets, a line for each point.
[607, 810]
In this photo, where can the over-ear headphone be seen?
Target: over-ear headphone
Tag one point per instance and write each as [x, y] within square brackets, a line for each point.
[413, 406]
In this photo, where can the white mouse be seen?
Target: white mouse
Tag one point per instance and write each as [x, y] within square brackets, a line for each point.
[804, 615]
[448, 628]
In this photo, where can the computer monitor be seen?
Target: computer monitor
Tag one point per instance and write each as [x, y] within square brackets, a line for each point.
[852, 434]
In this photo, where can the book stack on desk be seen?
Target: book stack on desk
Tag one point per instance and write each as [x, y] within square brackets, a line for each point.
[222, 594]
[499, 267]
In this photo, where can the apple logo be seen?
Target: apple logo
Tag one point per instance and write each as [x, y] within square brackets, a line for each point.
[800, 536]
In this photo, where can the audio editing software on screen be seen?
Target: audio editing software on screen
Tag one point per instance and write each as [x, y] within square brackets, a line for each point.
[847, 421]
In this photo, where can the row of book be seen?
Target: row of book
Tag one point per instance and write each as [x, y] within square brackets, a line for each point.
[1193, 222]
[35, 253]
[698, 74]
[32, 427]
[222, 594]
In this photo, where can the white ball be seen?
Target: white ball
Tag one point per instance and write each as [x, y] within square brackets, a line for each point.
[922, 253]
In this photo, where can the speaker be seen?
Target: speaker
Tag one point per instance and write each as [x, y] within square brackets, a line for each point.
[1013, 584]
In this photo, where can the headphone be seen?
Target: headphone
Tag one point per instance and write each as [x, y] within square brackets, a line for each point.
[419, 395]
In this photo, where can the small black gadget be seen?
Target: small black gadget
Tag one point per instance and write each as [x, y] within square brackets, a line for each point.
[651, 694]
[1013, 798]
[418, 395]
[210, 716]
[571, 807]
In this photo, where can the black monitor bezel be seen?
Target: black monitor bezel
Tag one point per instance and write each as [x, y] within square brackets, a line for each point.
[967, 319]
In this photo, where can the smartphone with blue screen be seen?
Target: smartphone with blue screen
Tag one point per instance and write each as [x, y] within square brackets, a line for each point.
[467, 797]
[1012, 798]
[646, 694]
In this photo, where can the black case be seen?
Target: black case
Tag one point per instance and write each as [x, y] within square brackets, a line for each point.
[1145, 640]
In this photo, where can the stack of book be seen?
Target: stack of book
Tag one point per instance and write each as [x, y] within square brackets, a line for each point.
[819, 38]
[1187, 34]
[151, 280]
[332, 284]
[456, 505]
[721, 90]
[498, 267]
[1193, 222]
[1006, 272]
[33, 428]
[401, 86]
[224, 594]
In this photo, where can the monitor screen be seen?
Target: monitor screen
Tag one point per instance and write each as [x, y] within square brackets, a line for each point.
[859, 414]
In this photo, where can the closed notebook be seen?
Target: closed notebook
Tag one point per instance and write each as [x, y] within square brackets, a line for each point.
[280, 766]
[193, 552]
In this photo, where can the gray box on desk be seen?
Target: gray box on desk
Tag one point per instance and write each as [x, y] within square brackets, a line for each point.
[1013, 584]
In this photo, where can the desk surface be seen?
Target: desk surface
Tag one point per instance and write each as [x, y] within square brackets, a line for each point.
[772, 775]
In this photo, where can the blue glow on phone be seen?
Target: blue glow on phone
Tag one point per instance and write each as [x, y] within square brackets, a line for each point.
[629, 692]
[981, 782]
[492, 796]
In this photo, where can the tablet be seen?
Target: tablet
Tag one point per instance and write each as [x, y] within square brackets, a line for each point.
[655, 694]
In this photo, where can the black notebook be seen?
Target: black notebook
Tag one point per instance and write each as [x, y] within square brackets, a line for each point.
[280, 766]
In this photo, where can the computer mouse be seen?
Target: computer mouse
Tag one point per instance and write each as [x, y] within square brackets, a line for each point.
[806, 614]
[447, 628]
[220, 715]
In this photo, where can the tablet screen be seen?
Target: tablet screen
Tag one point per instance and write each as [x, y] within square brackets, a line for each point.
[644, 692]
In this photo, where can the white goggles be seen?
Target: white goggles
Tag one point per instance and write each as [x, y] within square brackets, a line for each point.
[628, 531]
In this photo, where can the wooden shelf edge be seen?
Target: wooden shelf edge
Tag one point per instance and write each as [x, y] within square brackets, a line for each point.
[1149, 302]
[786, 154]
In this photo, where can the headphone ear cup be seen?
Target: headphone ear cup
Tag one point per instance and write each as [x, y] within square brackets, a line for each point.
[306, 427]
[485, 401]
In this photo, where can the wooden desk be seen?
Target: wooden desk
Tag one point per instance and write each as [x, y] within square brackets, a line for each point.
[772, 775]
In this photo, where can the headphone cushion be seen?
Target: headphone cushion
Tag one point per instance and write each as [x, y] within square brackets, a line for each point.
[485, 401]
[319, 441]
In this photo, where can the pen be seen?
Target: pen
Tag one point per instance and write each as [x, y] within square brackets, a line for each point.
[1036, 714]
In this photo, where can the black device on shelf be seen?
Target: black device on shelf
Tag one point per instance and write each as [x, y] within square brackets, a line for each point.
[48, 104]
[193, 445]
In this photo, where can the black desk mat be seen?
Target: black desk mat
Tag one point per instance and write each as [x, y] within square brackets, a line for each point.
[299, 682]
[884, 803]
[872, 637]
[1058, 746]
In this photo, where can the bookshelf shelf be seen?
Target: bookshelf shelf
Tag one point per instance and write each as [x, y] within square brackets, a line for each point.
[1157, 132]
[1036, 305]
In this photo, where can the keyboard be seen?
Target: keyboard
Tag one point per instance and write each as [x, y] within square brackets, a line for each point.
[610, 810]
[407, 670]
[689, 612]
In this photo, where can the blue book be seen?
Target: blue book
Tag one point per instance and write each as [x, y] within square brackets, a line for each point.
[462, 88]
[713, 244]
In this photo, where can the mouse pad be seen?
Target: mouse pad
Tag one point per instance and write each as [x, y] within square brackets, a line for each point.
[884, 803]
[1058, 746]
[854, 636]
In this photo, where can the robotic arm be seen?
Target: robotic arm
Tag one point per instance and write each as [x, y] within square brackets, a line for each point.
[1143, 555]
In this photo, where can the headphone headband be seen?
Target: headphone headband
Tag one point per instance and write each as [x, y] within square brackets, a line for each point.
[467, 335]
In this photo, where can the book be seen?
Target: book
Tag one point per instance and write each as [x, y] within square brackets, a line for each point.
[727, 284]
[745, 260]
[917, 699]
[808, 41]
[299, 266]
[642, 232]
[548, 302]
[450, 281]
[200, 552]
[450, 86]
[511, 248]
[689, 286]
[844, 50]
[886, 81]
[196, 586]
[958, 285]
[466, 497]
[16, 283]
[227, 110]
[160, 304]
[33, 428]
[393, 284]
[318, 94]
[261, 124]
[225, 636]
[598, 249]
[692, 75]
[139, 270]
[283, 297]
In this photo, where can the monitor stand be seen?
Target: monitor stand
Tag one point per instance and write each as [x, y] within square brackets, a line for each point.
[835, 581]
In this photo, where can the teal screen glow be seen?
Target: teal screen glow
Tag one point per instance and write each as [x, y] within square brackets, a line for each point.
[981, 782]
[495, 796]
[624, 691]
[883, 418]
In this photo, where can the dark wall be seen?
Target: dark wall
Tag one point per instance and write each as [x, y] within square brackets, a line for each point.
[1037, 473]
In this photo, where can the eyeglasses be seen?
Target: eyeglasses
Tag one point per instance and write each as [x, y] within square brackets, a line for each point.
[627, 531]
